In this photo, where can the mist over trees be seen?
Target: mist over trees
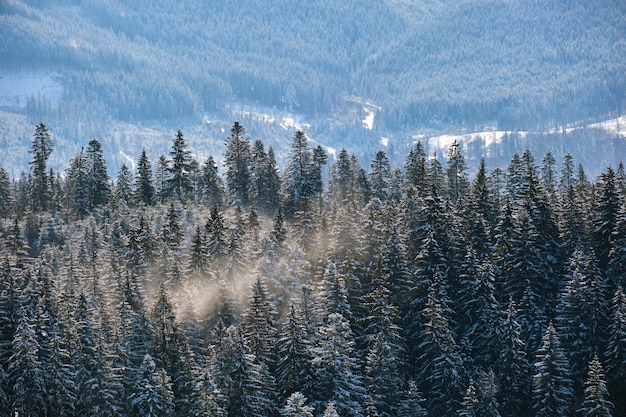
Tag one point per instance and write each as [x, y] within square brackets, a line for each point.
[188, 287]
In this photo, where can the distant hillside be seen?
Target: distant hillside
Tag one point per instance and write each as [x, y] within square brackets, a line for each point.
[420, 64]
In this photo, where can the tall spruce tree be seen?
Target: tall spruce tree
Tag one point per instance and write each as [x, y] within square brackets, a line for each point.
[596, 402]
[98, 180]
[553, 394]
[615, 352]
[41, 149]
[237, 162]
[179, 184]
[145, 192]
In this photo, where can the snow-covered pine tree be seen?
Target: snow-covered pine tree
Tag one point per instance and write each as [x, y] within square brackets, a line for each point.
[153, 395]
[615, 352]
[553, 394]
[296, 406]
[596, 402]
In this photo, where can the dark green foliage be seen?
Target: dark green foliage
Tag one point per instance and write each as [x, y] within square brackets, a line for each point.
[553, 394]
[237, 161]
[41, 149]
[144, 187]
[179, 184]
[596, 402]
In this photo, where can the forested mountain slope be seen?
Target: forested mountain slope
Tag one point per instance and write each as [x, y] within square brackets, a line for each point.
[513, 65]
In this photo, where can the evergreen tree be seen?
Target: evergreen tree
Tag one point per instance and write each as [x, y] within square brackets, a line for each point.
[441, 366]
[98, 180]
[470, 402]
[162, 177]
[6, 196]
[596, 402]
[615, 352]
[238, 376]
[295, 406]
[212, 186]
[123, 194]
[582, 316]
[336, 367]
[301, 175]
[380, 176]
[616, 270]
[512, 367]
[153, 397]
[411, 403]
[25, 370]
[77, 186]
[552, 386]
[197, 266]
[415, 169]
[548, 175]
[237, 162]
[458, 184]
[145, 192]
[179, 183]
[41, 149]
[293, 366]
[607, 206]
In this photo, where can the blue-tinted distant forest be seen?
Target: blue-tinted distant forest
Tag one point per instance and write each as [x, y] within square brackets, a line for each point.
[531, 65]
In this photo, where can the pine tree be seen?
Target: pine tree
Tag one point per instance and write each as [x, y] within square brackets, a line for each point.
[162, 177]
[77, 186]
[237, 162]
[441, 366]
[512, 367]
[411, 403]
[336, 367]
[25, 370]
[300, 179]
[415, 169]
[607, 208]
[596, 402]
[552, 387]
[6, 196]
[616, 270]
[581, 315]
[123, 194]
[548, 175]
[144, 190]
[98, 180]
[153, 397]
[179, 183]
[458, 184]
[197, 265]
[470, 402]
[296, 407]
[217, 246]
[380, 176]
[41, 149]
[615, 352]
[212, 186]
[237, 376]
[293, 365]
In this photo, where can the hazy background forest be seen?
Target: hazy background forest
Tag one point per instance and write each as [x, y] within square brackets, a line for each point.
[362, 75]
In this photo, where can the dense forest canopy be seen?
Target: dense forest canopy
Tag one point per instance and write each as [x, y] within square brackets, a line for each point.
[195, 288]
[116, 66]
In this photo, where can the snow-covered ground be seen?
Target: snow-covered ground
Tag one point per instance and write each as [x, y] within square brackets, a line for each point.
[17, 87]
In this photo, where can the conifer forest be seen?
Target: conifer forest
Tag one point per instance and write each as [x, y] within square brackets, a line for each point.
[196, 288]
